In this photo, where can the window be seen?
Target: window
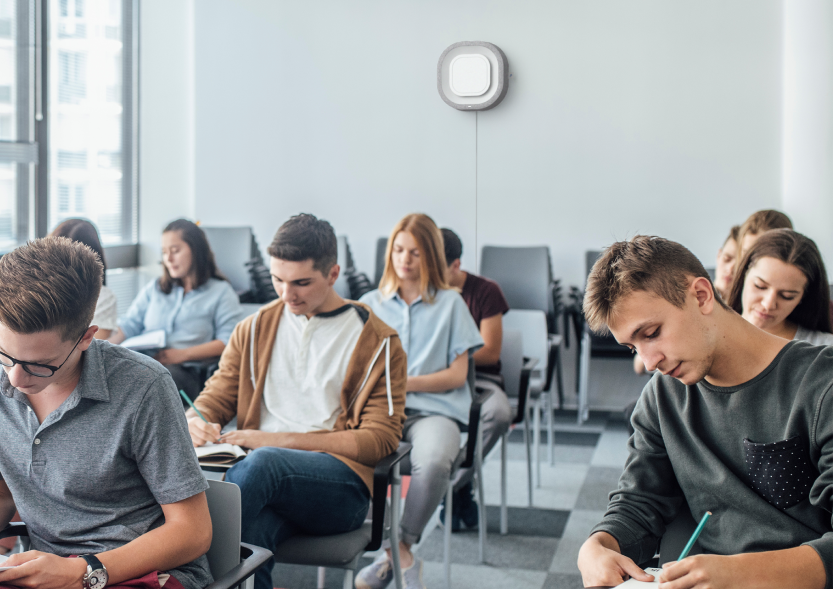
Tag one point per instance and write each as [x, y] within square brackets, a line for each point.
[67, 118]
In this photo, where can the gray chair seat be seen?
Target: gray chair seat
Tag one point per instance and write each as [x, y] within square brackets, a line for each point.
[337, 551]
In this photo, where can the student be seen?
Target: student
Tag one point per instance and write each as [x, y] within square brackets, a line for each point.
[192, 302]
[317, 384]
[487, 305]
[727, 257]
[724, 274]
[781, 287]
[759, 223]
[439, 336]
[106, 311]
[95, 453]
[732, 405]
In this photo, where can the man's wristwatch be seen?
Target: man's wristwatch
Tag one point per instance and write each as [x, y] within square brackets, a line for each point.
[96, 577]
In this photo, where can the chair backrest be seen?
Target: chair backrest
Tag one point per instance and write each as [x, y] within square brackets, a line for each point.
[533, 328]
[511, 360]
[232, 247]
[224, 507]
[381, 248]
[345, 261]
[523, 273]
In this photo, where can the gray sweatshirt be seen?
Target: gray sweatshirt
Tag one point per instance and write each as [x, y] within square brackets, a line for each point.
[759, 456]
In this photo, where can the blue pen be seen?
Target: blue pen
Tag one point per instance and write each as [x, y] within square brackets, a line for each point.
[695, 535]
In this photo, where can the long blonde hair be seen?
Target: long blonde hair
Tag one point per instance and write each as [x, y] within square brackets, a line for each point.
[432, 266]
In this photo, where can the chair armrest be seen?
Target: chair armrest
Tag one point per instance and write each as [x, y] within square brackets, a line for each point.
[474, 423]
[382, 475]
[251, 558]
[523, 388]
[14, 529]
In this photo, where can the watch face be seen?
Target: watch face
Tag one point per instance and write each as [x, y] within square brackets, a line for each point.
[97, 579]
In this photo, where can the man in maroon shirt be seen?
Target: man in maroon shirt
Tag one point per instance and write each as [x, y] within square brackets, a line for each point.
[487, 305]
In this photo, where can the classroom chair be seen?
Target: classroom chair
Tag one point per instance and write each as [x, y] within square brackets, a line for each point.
[526, 279]
[231, 561]
[344, 550]
[381, 248]
[516, 370]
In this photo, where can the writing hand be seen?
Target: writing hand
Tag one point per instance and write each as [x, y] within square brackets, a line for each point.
[703, 571]
[44, 571]
[201, 432]
[599, 564]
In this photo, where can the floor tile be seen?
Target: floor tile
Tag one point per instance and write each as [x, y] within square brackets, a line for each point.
[561, 453]
[482, 577]
[598, 484]
[612, 448]
[560, 485]
[510, 551]
[560, 581]
[575, 533]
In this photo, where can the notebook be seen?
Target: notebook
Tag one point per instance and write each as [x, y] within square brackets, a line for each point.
[151, 341]
[633, 583]
[2, 560]
[220, 454]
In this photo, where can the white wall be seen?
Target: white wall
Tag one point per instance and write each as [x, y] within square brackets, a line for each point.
[621, 117]
[166, 115]
[808, 120]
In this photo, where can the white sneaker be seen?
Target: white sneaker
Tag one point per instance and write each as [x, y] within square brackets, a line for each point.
[376, 575]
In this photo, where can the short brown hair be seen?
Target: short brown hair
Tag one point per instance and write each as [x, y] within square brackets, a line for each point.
[432, 266]
[306, 237]
[50, 283]
[795, 249]
[760, 222]
[647, 263]
[734, 235]
[85, 232]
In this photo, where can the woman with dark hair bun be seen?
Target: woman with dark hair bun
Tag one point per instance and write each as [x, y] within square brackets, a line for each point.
[106, 312]
[781, 286]
[192, 302]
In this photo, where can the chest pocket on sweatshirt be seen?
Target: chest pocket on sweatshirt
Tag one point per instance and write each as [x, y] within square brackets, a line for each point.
[780, 472]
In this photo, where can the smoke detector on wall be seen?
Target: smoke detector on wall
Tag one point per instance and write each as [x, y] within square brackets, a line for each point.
[472, 75]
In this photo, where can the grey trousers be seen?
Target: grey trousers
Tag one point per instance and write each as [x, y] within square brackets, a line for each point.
[436, 443]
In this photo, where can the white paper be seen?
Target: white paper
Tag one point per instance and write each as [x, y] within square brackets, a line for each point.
[634, 583]
[2, 560]
[152, 340]
[214, 449]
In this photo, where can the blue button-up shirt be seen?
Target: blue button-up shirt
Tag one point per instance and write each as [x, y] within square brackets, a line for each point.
[204, 314]
[433, 335]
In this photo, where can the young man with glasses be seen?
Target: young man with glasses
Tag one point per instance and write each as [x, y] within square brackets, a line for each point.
[96, 455]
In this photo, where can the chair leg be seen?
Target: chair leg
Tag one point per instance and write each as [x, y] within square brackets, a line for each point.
[550, 429]
[527, 442]
[481, 511]
[322, 572]
[395, 506]
[536, 436]
[449, 506]
[504, 511]
[584, 373]
[348, 580]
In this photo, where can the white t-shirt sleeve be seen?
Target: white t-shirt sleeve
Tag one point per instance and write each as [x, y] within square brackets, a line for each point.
[106, 310]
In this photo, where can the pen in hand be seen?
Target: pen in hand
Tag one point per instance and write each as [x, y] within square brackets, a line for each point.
[187, 400]
[695, 535]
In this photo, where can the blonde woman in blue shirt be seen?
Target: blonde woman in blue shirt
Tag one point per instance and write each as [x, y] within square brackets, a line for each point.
[439, 336]
[192, 302]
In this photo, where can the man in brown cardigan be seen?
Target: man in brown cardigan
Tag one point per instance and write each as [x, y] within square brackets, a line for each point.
[317, 384]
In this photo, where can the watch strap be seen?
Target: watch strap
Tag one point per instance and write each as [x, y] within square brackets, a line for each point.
[93, 562]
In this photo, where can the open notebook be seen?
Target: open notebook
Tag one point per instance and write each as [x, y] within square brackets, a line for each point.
[633, 583]
[220, 454]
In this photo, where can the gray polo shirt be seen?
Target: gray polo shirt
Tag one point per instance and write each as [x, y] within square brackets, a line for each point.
[93, 475]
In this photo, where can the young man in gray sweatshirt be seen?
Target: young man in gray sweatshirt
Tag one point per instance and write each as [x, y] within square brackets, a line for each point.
[739, 423]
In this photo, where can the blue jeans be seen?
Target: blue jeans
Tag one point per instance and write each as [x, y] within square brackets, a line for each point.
[287, 492]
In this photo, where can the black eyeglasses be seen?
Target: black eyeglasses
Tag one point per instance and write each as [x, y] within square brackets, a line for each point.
[35, 369]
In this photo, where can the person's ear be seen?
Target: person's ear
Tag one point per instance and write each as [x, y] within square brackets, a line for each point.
[333, 275]
[87, 339]
[455, 265]
[701, 289]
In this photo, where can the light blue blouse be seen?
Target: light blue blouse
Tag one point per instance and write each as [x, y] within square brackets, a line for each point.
[433, 335]
[205, 314]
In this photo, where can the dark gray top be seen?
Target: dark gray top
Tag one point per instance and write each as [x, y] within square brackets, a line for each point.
[92, 477]
[759, 456]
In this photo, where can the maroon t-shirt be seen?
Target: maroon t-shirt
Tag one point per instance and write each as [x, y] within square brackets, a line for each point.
[484, 299]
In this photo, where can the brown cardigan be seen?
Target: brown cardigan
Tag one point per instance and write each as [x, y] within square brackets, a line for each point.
[364, 411]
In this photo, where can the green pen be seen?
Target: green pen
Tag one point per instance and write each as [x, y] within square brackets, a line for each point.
[187, 400]
[695, 535]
